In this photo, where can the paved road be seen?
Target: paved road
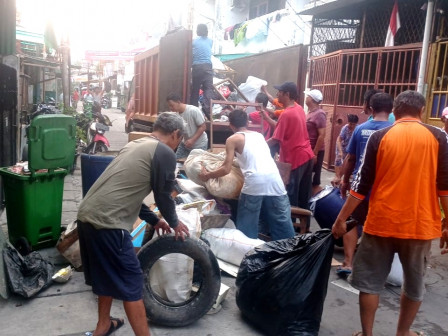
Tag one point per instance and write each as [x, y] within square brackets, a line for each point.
[70, 309]
[116, 135]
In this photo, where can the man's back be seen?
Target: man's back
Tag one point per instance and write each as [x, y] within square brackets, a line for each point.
[115, 198]
[404, 163]
[202, 50]
[261, 175]
[292, 134]
[360, 136]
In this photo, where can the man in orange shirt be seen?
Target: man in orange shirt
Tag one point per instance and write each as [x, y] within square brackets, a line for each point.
[406, 169]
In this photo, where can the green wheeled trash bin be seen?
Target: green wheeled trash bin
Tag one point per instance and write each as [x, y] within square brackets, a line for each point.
[34, 199]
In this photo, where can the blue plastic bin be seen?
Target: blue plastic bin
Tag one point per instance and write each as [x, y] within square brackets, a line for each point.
[326, 206]
[92, 166]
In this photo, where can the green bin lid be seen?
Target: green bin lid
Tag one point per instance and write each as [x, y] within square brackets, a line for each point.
[51, 142]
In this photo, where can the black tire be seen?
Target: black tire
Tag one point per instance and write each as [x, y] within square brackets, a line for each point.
[88, 149]
[161, 312]
[130, 127]
[101, 147]
[23, 246]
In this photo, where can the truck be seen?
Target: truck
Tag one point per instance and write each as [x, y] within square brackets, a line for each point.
[167, 68]
[159, 71]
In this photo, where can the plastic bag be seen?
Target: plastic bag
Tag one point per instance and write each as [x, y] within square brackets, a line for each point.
[230, 245]
[27, 275]
[251, 88]
[395, 277]
[281, 285]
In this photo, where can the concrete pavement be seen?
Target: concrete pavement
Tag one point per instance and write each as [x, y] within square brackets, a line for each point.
[70, 309]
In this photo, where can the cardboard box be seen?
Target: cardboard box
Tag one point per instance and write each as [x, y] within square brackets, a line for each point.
[137, 135]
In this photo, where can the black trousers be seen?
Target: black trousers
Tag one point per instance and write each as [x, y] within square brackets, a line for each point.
[318, 168]
[202, 77]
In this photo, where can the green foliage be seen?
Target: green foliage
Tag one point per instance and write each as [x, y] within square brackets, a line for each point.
[82, 123]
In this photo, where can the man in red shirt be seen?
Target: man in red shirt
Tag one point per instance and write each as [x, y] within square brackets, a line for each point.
[292, 136]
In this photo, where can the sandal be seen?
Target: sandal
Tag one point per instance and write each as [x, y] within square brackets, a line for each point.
[114, 327]
[420, 333]
[344, 271]
[357, 333]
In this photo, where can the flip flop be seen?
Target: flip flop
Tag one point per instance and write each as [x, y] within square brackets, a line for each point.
[343, 271]
[113, 328]
[420, 333]
[357, 333]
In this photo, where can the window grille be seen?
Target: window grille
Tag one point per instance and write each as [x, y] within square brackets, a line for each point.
[336, 34]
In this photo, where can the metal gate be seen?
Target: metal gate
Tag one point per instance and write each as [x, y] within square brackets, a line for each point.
[437, 97]
[344, 76]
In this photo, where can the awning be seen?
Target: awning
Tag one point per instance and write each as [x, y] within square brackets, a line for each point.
[39, 62]
[334, 9]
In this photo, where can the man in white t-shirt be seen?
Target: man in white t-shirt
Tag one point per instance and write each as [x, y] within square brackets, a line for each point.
[263, 195]
[194, 136]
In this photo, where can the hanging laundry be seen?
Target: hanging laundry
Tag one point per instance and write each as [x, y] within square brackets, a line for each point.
[227, 32]
[232, 31]
[240, 34]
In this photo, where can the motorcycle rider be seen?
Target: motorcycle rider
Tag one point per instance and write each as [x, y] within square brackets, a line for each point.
[97, 94]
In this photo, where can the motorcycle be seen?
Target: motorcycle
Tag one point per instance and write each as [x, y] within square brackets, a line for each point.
[97, 141]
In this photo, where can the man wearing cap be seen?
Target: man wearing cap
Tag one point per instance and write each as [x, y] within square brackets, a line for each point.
[316, 122]
[292, 136]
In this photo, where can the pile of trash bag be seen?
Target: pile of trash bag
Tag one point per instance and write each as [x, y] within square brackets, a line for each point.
[27, 275]
[282, 285]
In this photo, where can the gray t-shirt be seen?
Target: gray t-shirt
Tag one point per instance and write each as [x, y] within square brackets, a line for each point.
[114, 201]
[194, 118]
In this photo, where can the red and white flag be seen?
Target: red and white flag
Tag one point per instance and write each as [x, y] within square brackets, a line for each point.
[394, 25]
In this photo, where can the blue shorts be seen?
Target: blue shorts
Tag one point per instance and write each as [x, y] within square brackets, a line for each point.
[110, 264]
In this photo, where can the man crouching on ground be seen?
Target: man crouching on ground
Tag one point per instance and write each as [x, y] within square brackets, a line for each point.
[263, 191]
[108, 212]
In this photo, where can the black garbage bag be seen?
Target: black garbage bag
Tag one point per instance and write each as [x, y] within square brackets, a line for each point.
[27, 275]
[281, 285]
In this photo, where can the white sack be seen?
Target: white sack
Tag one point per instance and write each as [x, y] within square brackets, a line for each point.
[172, 275]
[228, 186]
[230, 245]
[250, 89]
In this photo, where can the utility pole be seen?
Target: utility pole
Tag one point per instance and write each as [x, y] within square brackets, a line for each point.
[425, 46]
[65, 51]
